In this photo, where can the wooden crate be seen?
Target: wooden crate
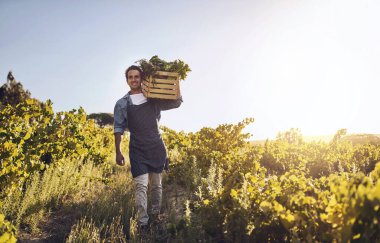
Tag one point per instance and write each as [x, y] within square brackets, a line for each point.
[163, 85]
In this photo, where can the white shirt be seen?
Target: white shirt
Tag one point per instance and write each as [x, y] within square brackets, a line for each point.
[138, 99]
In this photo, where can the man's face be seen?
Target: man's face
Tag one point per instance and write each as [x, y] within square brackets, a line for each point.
[134, 79]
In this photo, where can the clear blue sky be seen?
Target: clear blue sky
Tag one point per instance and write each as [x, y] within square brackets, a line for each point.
[313, 65]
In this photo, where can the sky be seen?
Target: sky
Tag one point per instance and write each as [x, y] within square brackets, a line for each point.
[312, 65]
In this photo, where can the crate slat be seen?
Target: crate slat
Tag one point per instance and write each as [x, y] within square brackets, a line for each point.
[163, 88]
[172, 74]
[162, 96]
[165, 81]
[163, 91]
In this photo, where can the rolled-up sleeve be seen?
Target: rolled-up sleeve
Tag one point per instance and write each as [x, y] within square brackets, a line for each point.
[168, 104]
[120, 122]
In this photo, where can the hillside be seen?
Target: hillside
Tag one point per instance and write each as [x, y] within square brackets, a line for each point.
[60, 183]
[356, 139]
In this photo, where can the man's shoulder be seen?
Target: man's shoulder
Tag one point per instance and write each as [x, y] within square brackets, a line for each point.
[123, 101]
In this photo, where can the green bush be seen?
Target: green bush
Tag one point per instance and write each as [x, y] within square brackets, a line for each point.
[33, 137]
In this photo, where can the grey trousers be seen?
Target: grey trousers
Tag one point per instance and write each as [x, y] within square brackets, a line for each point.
[141, 195]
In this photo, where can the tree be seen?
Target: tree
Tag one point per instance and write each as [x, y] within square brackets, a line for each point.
[13, 92]
[339, 134]
[102, 119]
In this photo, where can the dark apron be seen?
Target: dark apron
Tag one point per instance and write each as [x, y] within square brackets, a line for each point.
[147, 151]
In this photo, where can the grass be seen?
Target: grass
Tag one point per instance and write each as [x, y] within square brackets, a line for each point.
[75, 203]
[77, 188]
[50, 190]
[88, 231]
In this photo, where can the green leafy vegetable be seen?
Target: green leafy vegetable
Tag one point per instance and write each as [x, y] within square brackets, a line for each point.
[156, 64]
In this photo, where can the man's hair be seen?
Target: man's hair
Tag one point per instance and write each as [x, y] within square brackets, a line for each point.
[134, 67]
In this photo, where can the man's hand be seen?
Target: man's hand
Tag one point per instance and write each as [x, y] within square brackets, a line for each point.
[120, 159]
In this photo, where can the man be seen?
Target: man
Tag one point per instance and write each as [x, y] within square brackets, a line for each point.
[147, 152]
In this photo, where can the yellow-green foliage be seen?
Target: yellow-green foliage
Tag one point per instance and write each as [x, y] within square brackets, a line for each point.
[7, 231]
[33, 136]
[281, 191]
[284, 190]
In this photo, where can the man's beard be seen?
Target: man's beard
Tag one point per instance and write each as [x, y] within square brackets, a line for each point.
[137, 88]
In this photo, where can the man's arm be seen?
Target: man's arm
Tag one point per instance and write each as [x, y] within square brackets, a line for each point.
[119, 127]
[117, 142]
[119, 155]
[119, 121]
[164, 105]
